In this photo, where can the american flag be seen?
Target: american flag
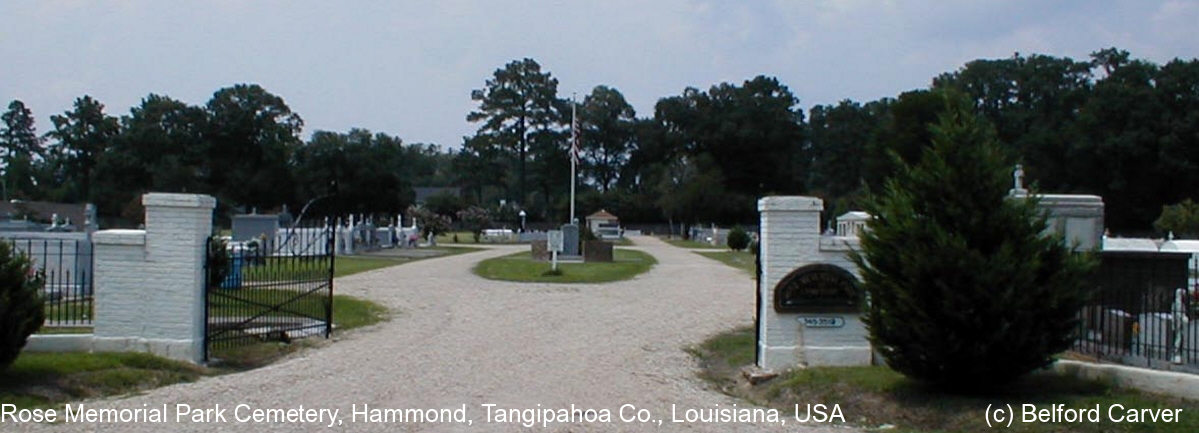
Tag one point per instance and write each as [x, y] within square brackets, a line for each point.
[574, 134]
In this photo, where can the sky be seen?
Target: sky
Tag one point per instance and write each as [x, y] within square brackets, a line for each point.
[407, 67]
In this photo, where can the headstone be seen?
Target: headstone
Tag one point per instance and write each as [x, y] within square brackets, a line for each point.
[570, 239]
[250, 227]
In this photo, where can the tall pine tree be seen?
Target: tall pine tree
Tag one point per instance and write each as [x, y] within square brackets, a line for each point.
[966, 287]
[20, 146]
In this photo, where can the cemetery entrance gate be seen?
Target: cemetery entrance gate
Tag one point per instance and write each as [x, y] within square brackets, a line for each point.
[275, 287]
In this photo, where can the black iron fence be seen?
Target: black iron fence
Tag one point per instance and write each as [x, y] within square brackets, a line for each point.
[274, 289]
[1142, 312]
[65, 265]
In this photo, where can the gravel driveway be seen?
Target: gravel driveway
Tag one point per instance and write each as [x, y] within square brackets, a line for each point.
[457, 339]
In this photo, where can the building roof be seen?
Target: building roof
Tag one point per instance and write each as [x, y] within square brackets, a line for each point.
[1129, 244]
[856, 215]
[1184, 245]
[602, 215]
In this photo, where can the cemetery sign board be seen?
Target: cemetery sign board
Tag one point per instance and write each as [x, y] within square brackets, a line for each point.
[554, 240]
[818, 288]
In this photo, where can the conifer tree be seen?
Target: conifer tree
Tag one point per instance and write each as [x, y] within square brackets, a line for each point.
[967, 289]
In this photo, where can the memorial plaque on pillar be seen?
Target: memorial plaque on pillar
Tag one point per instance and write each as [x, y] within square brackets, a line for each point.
[818, 288]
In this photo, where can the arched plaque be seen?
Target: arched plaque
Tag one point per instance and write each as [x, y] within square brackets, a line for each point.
[818, 288]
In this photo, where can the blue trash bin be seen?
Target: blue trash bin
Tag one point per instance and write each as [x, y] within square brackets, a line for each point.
[233, 278]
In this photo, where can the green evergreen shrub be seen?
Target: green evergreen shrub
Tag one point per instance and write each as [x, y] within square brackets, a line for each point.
[738, 239]
[967, 291]
[22, 308]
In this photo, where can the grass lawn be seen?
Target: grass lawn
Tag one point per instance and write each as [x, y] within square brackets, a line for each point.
[50, 379]
[742, 260]
[280, 268]
[521, 267]
[464, 238]
[872, 397]
[687, 243]
[350, 265]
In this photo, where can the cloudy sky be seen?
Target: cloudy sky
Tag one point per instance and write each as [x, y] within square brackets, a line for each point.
[407, 67]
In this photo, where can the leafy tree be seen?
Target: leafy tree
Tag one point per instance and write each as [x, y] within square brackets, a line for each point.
[1181, 219]
[966, 288]
[1120, 148]
[479, 170]
[424, 164]
[738, 239]
[607, 122]
[356, 172]
[518, 102]
[21, 146]
[1032, 101]
[22, 309]
[251, 134]
[694, 191]
[83, 134]
[753, 133]
[161, 147]
[444, 204]
[550, 168]
[904, 135]
[429, 222]
[475, 219]
[839, 136]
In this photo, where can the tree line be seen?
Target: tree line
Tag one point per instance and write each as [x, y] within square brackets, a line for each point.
[1123, 128]
[243, 147]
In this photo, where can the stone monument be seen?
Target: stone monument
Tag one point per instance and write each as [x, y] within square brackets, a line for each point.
[570, 239]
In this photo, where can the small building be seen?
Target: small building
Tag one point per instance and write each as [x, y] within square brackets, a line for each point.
[604, 225]
[852, 223]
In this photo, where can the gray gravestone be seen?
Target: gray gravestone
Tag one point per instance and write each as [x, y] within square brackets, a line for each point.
[570, 239]
[249, 227]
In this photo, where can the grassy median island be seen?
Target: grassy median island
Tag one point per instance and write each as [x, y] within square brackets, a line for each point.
[626, 264]
[350, 265]
[879, 398]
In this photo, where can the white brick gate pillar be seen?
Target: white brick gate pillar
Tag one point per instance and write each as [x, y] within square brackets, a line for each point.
[150, 283]
[790, 235]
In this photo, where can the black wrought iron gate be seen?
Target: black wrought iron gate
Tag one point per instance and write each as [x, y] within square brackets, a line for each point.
[272, 288]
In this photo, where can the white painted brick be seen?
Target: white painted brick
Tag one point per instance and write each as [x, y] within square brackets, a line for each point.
[149, 296]
[791, 238]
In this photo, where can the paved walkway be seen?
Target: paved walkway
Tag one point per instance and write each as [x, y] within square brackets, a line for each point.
[460, 340]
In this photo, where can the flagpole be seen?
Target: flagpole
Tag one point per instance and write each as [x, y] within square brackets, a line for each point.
[574, 154]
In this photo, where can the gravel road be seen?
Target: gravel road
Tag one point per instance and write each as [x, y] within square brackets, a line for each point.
[457, 339]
